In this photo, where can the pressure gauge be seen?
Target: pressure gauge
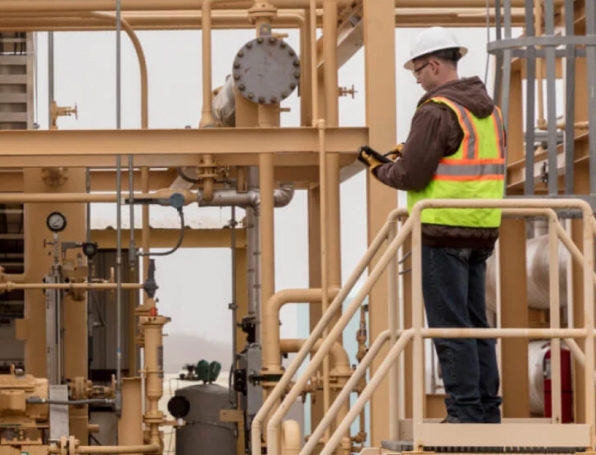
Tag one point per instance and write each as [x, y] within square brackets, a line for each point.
[56, 222]
[90, 249]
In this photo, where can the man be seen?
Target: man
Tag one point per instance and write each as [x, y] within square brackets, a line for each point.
[455, 149]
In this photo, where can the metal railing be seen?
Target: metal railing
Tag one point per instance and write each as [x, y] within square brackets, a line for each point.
[417, 333]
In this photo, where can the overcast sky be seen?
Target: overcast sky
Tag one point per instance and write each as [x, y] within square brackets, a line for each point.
[195, 285]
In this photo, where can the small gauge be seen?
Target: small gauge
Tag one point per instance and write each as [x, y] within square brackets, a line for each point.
[89, 249]
[56, 222]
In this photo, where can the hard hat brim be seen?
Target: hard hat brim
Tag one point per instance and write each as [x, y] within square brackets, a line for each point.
[409, 65]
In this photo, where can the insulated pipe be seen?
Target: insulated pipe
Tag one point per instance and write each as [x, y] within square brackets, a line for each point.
[282, 196]
[270, 345]
[28, 6]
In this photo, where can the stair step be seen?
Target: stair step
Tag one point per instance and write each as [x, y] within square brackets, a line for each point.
[13, 98]
[13, 60]
[13, 79]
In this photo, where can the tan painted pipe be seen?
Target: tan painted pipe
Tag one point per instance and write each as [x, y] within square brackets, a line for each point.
[28, 198]
[176, 5]
[291, 440]
[11, 286]
[341, 361]
[148, 448]
[271, 335]
[221, 19]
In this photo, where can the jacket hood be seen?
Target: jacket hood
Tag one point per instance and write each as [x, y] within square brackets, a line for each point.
[470, 92]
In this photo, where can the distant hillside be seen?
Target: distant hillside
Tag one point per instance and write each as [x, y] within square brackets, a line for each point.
[180, 349]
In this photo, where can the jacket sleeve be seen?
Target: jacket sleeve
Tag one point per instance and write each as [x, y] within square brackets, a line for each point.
[433, 133]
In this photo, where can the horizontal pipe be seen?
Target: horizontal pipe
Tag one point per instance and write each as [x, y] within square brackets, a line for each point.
[282, 196]
[149, 448]
[28, 6]
[10, 286]
[232, 19]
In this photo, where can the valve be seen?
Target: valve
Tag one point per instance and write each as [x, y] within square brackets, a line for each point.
[344, 91]
[61, 111]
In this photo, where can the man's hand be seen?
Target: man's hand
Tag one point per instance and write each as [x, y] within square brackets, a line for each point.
[395, 152]
[371, 158]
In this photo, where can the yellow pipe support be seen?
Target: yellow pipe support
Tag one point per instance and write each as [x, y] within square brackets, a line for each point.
[271, 336]
[291, 440]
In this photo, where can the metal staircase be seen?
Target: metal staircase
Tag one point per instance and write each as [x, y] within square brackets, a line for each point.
[17, 62]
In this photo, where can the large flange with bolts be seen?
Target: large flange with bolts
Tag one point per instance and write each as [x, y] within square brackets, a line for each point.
[266, 70]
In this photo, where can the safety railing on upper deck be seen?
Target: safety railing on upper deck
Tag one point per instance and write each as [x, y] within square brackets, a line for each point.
[432, 434]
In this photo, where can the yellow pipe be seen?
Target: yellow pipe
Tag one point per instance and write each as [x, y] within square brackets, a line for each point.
[291, 439]
[271, 336]
[86, 6]
[148, 448]
[11, 286]
[27, 198]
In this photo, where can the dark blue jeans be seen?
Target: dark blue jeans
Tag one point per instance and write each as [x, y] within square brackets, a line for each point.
[453, 283]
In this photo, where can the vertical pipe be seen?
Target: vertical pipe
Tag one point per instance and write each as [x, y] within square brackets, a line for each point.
[313, 66]
[418, 341]
[118, 400]
[530, 95]
[569, 104]
[551, 88]
[555, 344]
[499, 55]
[50, 76]
[588, 282]
[506, 65]
[393, 326]
[234, 299]
[591, 81]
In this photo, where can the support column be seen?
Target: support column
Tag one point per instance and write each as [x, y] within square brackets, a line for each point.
[37, 264]
[379, 47]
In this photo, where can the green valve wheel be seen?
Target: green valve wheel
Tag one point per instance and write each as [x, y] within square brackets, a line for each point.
[203, 371]
[214, 370]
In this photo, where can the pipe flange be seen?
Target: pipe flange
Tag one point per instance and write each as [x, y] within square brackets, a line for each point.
[266, 70]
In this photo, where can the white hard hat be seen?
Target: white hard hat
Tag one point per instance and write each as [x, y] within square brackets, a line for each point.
[432, 40]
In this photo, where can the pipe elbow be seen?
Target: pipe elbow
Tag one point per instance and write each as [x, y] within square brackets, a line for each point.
[283, 195]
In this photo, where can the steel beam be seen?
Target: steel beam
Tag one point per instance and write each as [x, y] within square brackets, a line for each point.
[170, 142]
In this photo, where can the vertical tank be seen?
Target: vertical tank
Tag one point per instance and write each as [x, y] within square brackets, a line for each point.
[204, 433]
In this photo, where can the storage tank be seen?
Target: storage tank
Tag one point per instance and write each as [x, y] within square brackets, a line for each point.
[204, 433]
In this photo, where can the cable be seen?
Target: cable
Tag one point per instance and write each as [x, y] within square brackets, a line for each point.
[180, 239]
[37, 400]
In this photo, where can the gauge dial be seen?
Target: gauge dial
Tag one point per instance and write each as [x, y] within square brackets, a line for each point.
[56, 222]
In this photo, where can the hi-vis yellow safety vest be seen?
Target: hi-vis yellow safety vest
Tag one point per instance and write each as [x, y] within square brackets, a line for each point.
[475, 171]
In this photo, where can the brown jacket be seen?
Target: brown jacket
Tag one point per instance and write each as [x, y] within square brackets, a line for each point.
[434, 134]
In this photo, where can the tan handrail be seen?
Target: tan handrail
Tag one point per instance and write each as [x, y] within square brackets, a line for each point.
[418, 333]
[280, 388]
[374, 275]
